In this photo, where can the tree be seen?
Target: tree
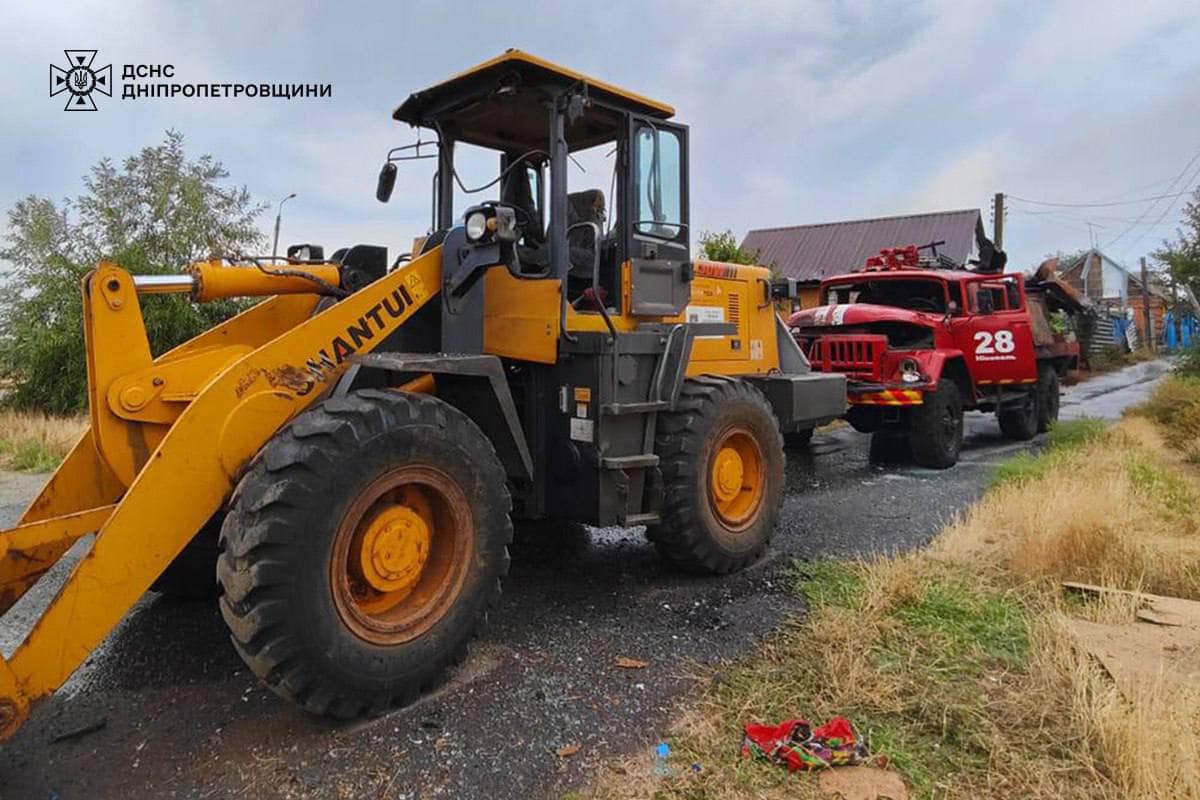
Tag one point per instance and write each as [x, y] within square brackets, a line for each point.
[1182, 256]
[156, 213]
[724, 247]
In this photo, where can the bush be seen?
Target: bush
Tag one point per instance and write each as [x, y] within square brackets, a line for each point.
[156, 213]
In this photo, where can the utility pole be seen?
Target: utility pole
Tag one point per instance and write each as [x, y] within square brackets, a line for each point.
[998, 220]
[1148, 317]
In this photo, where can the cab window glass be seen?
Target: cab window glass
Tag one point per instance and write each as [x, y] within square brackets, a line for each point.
[986, 298]
[658, 187]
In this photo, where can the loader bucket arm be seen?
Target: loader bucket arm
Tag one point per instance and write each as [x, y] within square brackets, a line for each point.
[169, 440]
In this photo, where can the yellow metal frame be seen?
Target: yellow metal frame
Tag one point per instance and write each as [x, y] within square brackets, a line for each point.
[510, 56]
[171, 435]
[199, 413]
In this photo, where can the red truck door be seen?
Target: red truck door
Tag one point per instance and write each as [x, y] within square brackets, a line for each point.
[995, 335]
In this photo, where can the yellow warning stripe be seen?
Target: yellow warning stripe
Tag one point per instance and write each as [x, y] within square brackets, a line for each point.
[890, 397]
[1006, 380]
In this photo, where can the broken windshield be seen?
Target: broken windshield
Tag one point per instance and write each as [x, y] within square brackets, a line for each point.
[914, 294]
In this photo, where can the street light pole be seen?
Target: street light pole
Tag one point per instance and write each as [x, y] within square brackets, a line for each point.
[278, 214]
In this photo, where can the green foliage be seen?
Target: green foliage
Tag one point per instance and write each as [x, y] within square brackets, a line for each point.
[1187, 363]
[724, 247]
[155, 213]
[1182, 256]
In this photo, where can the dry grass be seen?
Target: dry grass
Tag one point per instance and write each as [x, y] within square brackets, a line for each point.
[958, 662]
[1175, 405]
[33, 442]
[1120, 511]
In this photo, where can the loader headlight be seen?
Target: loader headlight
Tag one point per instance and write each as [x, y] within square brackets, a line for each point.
[476, 225]
[491, 222]
[910, 372]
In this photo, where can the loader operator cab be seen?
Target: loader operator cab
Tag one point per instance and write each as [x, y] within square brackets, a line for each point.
[542, 213]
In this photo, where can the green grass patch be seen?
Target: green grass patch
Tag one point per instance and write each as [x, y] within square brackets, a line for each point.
[829, 583]
[966, 629]
[1164, 487]
[1064, 437]
[27, 455]
[922, 639]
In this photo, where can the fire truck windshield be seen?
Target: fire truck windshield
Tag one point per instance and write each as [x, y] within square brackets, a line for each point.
[916, 294]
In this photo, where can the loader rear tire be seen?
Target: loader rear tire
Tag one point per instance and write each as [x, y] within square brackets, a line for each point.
[721, 456]
[192, 575]
[363, 548]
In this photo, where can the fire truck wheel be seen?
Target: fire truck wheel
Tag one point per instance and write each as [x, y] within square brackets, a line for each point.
[1048, 397]
[1019, 421]
[935, 432]
[721, 457]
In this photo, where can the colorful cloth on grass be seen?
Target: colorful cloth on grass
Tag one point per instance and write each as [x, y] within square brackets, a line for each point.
[796, 745]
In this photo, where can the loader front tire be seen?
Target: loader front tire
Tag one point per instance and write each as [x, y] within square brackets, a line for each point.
[721, 456]
[363, 548]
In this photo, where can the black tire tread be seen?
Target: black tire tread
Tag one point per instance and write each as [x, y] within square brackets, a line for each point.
[268, 509]
[926, 439]
[1047, 384]
[679, 536]
[1020, 424]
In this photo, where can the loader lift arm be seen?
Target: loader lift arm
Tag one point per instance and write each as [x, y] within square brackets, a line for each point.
[189, 421]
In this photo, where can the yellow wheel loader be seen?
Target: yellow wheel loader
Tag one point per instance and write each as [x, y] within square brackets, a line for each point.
[345, 459]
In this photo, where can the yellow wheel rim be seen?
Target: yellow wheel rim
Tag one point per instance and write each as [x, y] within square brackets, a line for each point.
[736, 478]
[401, 554]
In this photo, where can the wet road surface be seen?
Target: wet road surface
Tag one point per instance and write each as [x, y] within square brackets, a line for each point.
[182, 717]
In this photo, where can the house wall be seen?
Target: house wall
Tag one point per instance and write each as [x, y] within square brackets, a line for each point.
[1113, 283]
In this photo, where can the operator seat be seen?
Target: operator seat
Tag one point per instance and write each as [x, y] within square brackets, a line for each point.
[585, 206]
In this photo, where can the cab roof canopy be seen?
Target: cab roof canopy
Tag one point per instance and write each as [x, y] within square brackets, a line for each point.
[502, 104]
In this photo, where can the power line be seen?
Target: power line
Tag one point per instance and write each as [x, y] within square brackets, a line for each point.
[1154, 199]
[1191, 181]
[1169, 194]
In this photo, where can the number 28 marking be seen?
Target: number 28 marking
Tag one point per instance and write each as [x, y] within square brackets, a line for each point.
[988, 343]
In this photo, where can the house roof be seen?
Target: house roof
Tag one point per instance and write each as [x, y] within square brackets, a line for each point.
[814, 252]
[1134, 275]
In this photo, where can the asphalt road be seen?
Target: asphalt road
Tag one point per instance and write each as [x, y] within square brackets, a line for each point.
[182, 717]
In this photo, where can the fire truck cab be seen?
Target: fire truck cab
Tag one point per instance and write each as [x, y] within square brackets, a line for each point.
[920, 344]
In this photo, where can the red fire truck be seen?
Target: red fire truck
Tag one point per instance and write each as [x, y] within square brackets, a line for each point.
[921, 343]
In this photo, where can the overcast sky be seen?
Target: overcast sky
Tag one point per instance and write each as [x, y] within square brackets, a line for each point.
[799, 112]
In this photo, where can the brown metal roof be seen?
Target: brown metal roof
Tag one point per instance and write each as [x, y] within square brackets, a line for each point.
[814, 252]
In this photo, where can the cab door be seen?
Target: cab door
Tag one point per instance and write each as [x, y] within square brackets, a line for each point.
[995, 335]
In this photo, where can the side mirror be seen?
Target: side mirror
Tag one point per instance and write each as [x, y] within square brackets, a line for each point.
[952, 307]
[387, 182]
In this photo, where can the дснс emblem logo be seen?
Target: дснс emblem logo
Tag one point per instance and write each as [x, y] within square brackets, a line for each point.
[80, 79]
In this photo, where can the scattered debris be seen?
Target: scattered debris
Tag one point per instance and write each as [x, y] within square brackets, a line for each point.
[631, 663]
[863, 783]
[1162, 644]
[662, 751]
[796, 745]
[79, 733]
[567, 750]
